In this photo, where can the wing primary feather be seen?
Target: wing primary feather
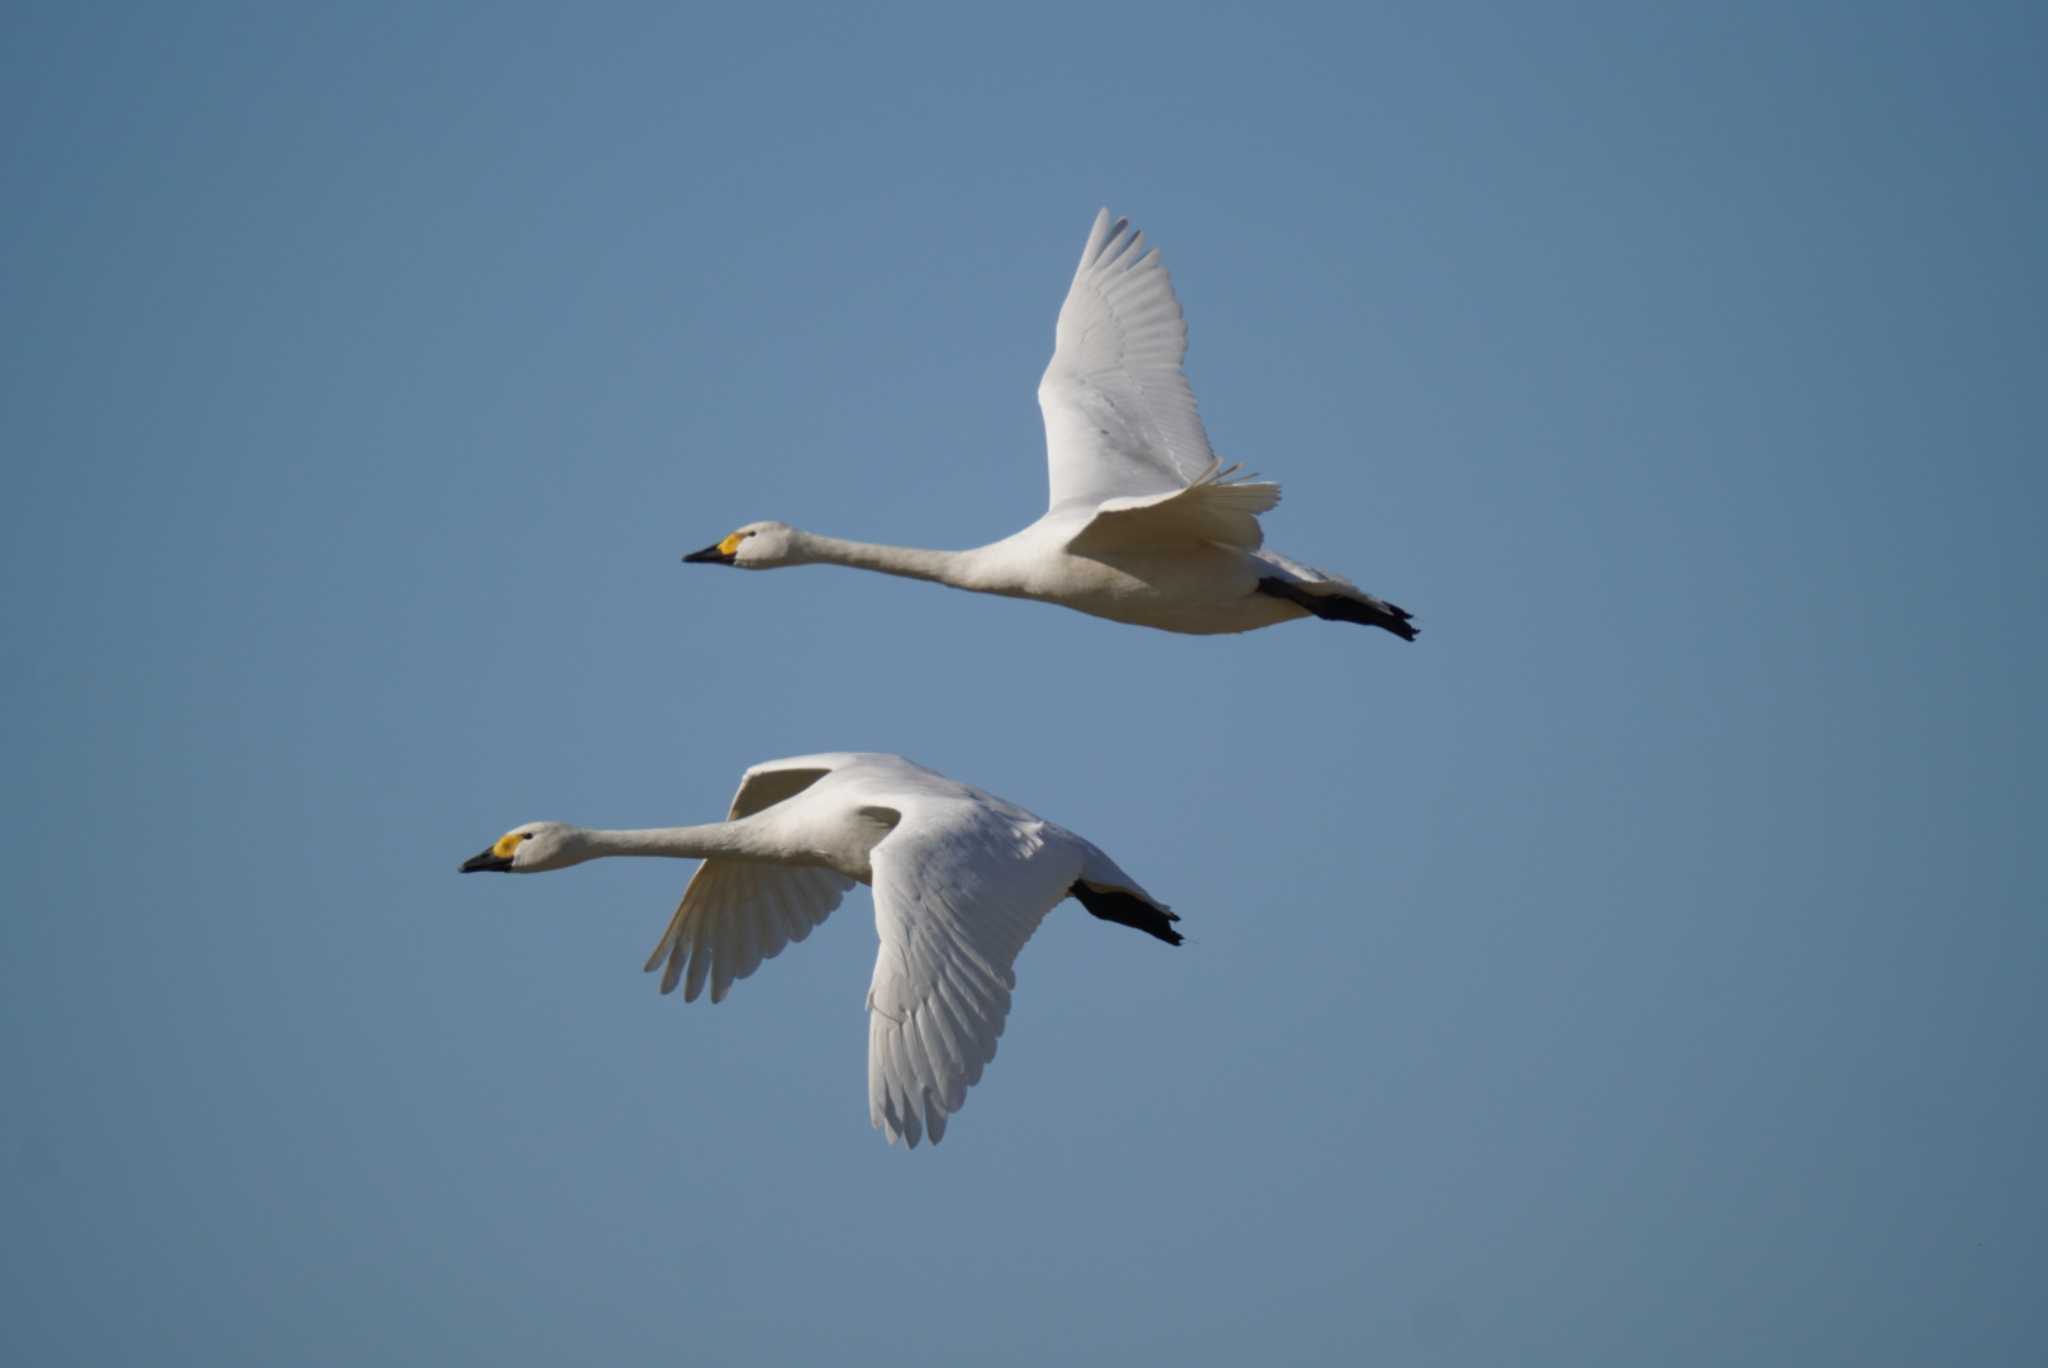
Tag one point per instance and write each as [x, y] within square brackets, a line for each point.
[700, 961]
[939, 1045]
[678, 954]
[1105, 234]
[725, 953]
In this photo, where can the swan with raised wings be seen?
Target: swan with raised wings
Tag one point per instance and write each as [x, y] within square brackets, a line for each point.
[1146, 524]
[961, 879]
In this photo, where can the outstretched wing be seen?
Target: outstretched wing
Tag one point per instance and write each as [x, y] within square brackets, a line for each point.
[737, 913]
[958, 889]
[1120, 419]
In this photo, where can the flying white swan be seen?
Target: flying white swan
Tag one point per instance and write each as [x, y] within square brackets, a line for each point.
[961, 880]
[1146, 525]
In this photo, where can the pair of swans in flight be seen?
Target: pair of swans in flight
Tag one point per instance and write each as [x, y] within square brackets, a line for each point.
[1146, 526]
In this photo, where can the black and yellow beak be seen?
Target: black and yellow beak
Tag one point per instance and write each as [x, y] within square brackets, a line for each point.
[710, 555]
[487, 859]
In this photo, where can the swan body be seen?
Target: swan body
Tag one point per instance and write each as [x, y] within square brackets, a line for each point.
[961, 879]
[1145, 524]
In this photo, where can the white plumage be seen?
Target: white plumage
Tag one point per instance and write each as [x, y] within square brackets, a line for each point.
[1145, 524]
[961, 879]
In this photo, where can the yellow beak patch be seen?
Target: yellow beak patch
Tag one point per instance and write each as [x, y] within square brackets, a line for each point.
[506, 844]
[731, 545]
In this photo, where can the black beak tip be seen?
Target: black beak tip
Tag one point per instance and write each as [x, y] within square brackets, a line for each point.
[485, 860]
[710, 555]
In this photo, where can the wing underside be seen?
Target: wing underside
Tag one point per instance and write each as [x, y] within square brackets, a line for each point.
[735, 914]
[1120, 417]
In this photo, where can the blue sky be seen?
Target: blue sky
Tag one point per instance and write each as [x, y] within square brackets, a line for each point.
[1646, 966]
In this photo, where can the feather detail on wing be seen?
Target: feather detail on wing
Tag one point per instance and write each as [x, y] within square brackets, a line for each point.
[737, 913]
[1220, 506]
[734, 915]
[958, 890]
[1120, 418]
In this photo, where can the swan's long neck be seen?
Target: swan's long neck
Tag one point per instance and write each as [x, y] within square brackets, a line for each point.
[731, 840]
[911, 562]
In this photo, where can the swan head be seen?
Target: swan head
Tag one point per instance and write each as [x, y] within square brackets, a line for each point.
[529, 849]
[757, 546]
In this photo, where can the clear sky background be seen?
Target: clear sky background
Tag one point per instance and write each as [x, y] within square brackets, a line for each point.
[1645, 967]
